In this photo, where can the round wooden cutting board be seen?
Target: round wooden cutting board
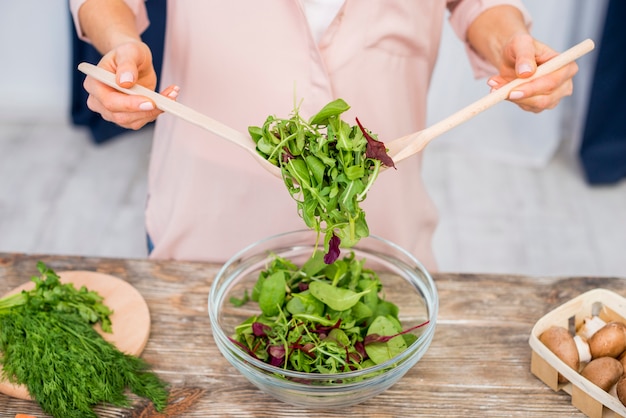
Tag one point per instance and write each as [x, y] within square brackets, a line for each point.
[130, 319]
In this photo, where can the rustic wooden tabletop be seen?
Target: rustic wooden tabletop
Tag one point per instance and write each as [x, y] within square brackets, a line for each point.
[478, 364]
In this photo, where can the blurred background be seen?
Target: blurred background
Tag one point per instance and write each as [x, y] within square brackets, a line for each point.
[512, 190]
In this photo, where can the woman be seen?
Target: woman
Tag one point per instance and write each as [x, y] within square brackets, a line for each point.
[240, 61]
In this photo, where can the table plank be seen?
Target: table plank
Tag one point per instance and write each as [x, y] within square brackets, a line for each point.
[477, 365]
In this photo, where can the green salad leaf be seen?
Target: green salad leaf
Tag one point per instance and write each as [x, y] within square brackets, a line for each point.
[322, 318]
[328, 167]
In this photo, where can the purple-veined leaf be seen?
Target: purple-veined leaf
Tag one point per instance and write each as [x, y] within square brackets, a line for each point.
[333, 250]
[375, 149]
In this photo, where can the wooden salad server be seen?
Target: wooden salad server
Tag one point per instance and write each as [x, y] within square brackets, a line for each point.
[406, 146]
[399, 149]
[183, 112]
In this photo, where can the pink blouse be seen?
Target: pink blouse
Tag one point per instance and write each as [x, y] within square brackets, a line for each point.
[240, 61]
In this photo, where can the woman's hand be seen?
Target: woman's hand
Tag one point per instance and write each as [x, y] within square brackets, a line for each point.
[500, 35]
[132, 64]
[520, 58]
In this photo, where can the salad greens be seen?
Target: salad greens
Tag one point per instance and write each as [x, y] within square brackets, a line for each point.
[328, 167]
[321, 318]
[48, 344]
[327, 316]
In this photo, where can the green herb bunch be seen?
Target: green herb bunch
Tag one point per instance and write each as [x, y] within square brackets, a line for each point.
[321, 318]
[328, 167]
[48, 344]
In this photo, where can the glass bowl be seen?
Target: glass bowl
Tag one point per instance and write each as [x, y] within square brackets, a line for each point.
[404, 280]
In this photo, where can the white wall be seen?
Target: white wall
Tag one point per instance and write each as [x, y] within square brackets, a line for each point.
[34, 59]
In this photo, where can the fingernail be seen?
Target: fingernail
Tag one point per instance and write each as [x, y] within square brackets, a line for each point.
[126, 77]
[516, 95]
[492, 83]
[524, 68]
[174, 93]
[146, 106]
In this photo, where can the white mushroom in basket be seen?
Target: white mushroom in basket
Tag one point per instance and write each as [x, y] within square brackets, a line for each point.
[604, 372]
[608, 341]
[561, 343]
[590, 326]
[584, 353]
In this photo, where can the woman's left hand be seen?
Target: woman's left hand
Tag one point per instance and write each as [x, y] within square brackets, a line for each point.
[520, 58]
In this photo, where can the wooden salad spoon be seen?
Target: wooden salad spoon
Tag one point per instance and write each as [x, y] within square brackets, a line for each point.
[399, 149]
[406, 146]
[183, 112]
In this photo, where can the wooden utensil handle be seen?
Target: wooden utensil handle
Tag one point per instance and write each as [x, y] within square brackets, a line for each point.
[171, 106]
[183, 112]
[416, 142]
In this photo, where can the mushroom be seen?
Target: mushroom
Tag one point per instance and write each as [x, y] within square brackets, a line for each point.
[621, 390]
[590, 326]
[584, 354]
[622, 359]
[561, 343]
[604, 372]
[608, 341]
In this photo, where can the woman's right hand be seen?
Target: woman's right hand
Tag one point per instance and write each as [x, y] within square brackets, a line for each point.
[131, 62]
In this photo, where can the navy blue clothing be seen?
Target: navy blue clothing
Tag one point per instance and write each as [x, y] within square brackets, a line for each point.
[603, 148]
[101, 130]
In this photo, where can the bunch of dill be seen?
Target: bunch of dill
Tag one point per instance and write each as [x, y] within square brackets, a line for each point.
[48, 344]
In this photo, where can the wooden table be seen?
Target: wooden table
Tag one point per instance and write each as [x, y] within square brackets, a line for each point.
[478, 364]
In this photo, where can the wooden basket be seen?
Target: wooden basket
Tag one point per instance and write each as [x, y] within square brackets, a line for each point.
[586, 396]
